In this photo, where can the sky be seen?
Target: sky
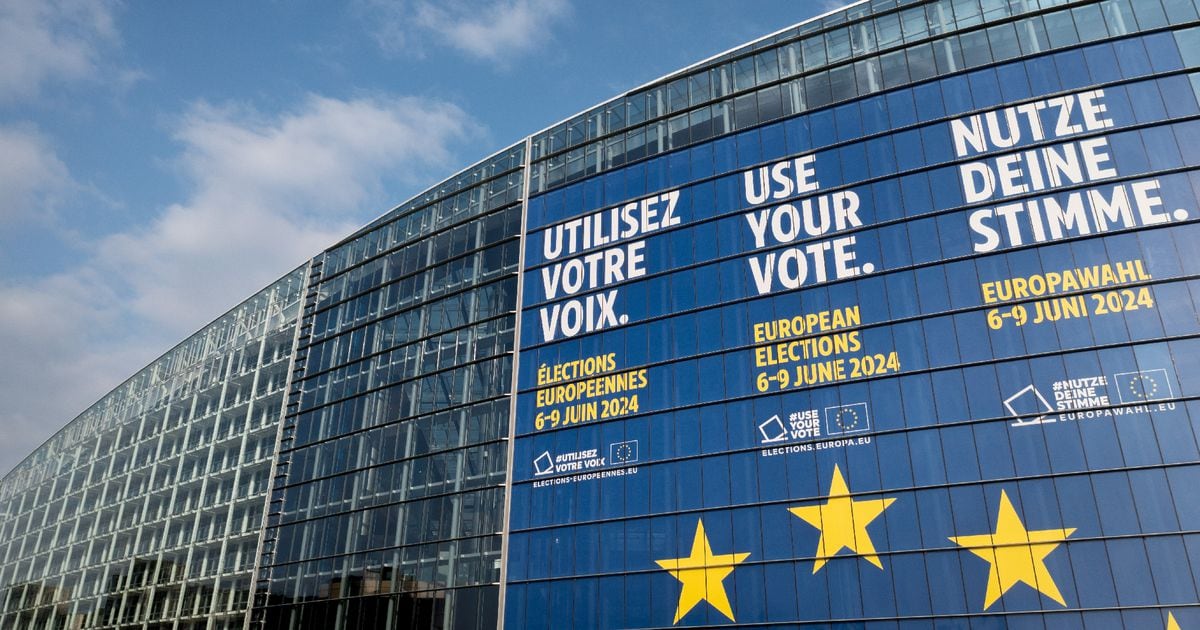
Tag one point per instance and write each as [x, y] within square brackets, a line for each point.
[162, 161]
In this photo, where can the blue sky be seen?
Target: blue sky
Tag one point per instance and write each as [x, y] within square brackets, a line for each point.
[161, 161]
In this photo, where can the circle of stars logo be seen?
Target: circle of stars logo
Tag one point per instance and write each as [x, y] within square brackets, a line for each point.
[847, 418]
[1143, 386]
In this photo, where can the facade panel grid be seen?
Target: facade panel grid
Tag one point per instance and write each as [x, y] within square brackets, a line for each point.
[388, 512]
[938, 56]
[956, 423]
[145, 511]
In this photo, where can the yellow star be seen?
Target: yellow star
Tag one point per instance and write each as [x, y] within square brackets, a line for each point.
[843, 522]
[701, 574]
[1016, 554]
[1171, 623]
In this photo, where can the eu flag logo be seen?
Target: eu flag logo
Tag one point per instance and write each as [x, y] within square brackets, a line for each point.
[1143, 385]
[623, 452]
[848, 418]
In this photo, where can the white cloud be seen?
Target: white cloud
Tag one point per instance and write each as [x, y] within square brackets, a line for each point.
[46, 40]
[60, 356]
[508, 27]
[496, 30]
[32, 176]
[833, 5]
[267, 192]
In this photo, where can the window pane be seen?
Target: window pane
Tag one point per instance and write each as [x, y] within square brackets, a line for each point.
[814, 52]
[1119, 16]
[635, 143]
[894, 67]
[701, 123]
[1061, 28]
[743, 74]
[841, 83]
[868, 75]
[1189, 47]
[888, 30]
[816, 90]
[766, 65]
[656, 104]
[1179, 11]
[790, 60]
[838, 43]
[655, 133]
[862, 38]
[678, 93]
[745, 108]
[722, 85]
[975, 49]
[1031, 34]
[769, 105]
[1090, 23]
[576, 131]
[940, 17]
[701, 88]
[616, 116]
[920, 62]
[793, 97]
[1149, 15]
[913, 23]
[1004, 43]
[595, 125]
[948, 55]
[994, 10]
[637, 110]
[722, 118]
[966, 13]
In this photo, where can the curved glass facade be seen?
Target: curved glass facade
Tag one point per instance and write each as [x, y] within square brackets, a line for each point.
[886, 320]
[146, 510]
[388, 505]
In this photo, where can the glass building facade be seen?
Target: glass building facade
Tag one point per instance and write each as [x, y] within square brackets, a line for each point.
[146, 510]
[887, 320]
[389, 503]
